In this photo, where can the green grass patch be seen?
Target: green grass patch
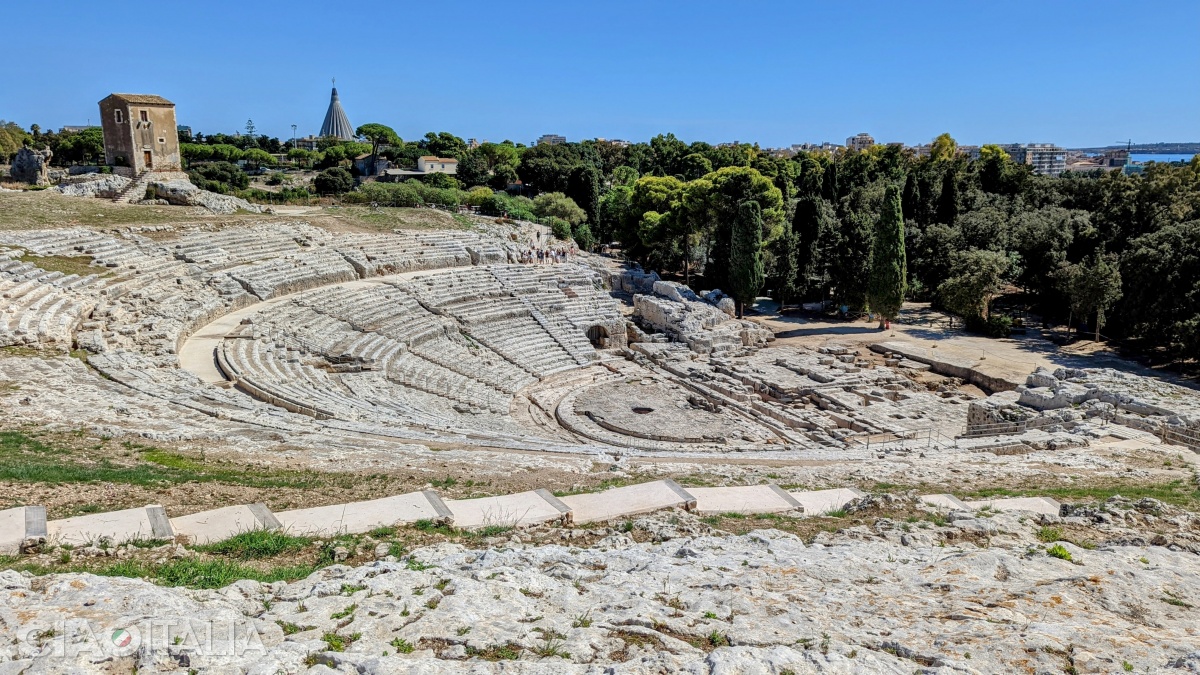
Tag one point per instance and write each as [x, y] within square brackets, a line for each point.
[256, 544]
[1176, 492]
[26, 459]
[66, 264]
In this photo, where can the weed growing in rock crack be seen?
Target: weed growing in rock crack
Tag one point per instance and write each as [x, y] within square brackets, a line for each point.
[442, 584]
[582, 620]
[531, 594]
[462, 630]
[1058, 551]
[1172, 599]
[551, 645]
[338, 643]
[825, 643]
[351, 589]
[433, 603]
[402, 646]
[301, 607]
[1144, 560]
[416, 565]
[717, 640]
[291, 628]
[710, 615]
[1049, 534]
[508, 652]
[1127, 666]
[345, 612]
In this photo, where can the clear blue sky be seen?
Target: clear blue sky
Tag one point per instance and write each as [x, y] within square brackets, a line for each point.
[1072, 72]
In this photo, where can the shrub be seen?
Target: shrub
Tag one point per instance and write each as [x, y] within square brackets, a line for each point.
[997, 325]
[334, 181]
[1058, 551]
[583, 236]
[560, 227]
[223, 177]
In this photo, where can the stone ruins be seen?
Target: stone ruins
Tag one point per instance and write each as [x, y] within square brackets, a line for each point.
[351, 345]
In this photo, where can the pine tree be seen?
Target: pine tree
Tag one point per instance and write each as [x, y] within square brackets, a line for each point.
[889, 268]
[947, 208]
[745, 255]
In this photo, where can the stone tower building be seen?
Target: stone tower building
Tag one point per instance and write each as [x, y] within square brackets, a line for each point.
[139, 133]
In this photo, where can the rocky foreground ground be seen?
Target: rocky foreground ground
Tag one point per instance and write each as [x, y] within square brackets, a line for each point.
[962, 595]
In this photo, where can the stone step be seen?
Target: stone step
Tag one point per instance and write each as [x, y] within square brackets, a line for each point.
[19, 524]
[360, 517]
[817, 502]
[113, 528]
[516, 510]
[1042, 505]
[746, 499]
[219, 524]
[944, 501]
[630, 500]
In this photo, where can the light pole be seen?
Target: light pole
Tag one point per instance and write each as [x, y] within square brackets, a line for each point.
[294, 145]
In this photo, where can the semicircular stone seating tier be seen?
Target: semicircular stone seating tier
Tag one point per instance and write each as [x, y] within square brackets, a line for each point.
[446, 349]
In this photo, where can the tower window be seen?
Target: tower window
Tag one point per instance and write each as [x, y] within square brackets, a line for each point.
[144, 116]
[120, 117]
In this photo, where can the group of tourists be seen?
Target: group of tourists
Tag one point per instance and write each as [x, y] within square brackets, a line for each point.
[547, 256]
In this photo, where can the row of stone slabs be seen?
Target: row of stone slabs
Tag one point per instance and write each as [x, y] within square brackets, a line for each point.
[515, 510]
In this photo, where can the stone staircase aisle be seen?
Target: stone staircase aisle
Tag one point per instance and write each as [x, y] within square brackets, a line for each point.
[136, 189]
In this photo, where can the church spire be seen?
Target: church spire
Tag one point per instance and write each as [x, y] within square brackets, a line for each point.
[336, 123]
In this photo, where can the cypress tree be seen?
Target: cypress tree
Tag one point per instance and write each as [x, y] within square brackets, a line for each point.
[745, 255]
[912, 196]
[786, 255]
[889, 268]
[806, 229]
[947, 208]
[829, 184]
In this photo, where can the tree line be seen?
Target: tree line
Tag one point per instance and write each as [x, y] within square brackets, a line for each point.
[1118, 253]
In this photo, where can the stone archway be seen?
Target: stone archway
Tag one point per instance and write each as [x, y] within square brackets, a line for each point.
[598, 336]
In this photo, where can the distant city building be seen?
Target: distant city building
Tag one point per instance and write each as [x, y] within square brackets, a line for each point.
[185, 132]
[551, 139]
[362, 164]
[74, 128]
[309, 142]
[139, 133]
[1046, 159]
[336, 124]
[614, 142]
[433, 164]
[472, 143]
[860, 141]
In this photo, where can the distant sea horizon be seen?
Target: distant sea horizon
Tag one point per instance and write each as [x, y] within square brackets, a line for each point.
[1165, 157]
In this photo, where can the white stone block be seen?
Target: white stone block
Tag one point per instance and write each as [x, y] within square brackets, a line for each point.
[219, 524]
[19, 524]
[516, 510]
[1042, 505]
[944, 501]
[114, 527]
[630, 500]
[745, 499]
[817, 502]
[360, 517]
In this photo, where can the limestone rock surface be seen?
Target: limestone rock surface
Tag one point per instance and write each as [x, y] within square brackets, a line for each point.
[184, 193]
[31, 166]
